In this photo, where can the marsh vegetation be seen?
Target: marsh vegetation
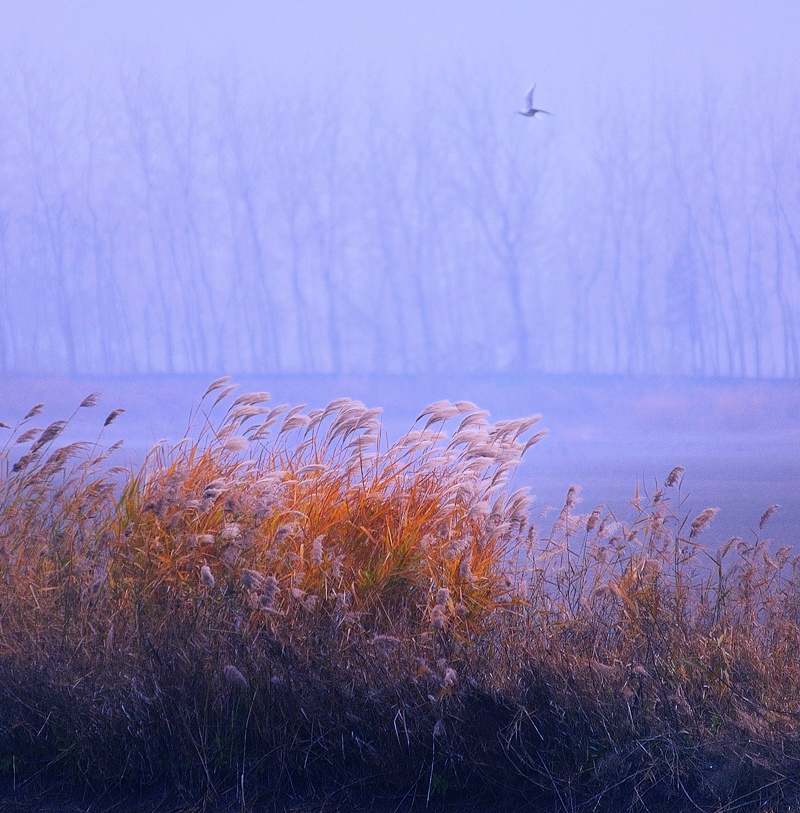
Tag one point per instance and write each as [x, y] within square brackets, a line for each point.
[283, 602]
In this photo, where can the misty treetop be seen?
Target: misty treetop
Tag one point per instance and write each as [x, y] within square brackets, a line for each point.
[203, 225]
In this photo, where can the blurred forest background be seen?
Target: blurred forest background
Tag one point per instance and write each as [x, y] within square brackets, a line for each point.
[218, 223]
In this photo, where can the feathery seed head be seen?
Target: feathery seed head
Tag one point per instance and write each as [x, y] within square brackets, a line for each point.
[438, 618]
[226, 391]
[607, 527]
[270, 591]
[702, 521]
[387, 641]
[235, 677]
[765, 517]
[292, 422]
[285, 530]
[28, 435]
[112, 416]
[213, 489]
[207, 577]
[533, 440]
[216, 385]
[316, 551]
[250, 399]
[311, 468]
[674, 477]
[232, 531]
[49, 434]
[252, 579]
[238, 443]
[33, 411]
[435, 410]
[572, 496]
[238, 416]
[723, 549]
[349, 620]
[465, 567]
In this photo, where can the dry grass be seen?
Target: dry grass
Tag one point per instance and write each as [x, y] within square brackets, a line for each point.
[287, 604]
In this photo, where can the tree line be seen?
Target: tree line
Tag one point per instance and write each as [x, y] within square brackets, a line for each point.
[208, 224]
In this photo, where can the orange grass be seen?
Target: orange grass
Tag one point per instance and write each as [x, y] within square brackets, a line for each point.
[286, 603]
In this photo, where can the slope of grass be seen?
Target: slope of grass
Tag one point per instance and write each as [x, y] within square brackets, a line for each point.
[285, 604]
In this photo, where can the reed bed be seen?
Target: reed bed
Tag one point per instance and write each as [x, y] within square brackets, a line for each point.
[283, 604]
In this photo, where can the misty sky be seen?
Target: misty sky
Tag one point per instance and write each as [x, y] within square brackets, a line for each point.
[566, 46]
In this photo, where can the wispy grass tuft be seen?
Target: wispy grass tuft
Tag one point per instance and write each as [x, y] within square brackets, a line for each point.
[282, 602]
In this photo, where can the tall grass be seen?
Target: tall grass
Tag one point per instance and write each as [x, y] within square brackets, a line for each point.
[285, 603]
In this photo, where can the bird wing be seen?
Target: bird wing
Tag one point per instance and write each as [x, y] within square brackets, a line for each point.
[529, 97]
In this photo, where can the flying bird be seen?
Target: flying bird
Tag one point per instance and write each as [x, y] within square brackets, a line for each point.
[530, 110]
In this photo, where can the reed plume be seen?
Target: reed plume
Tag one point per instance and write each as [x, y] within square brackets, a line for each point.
[235, 677]
[206, 577]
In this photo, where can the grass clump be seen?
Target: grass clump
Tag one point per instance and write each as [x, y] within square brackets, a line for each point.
[287, 604]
